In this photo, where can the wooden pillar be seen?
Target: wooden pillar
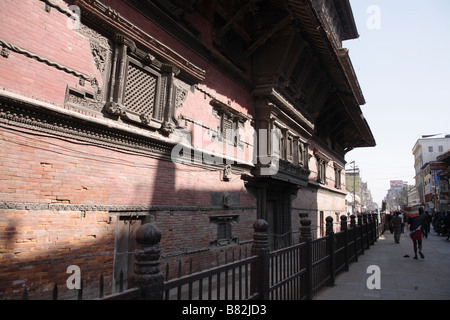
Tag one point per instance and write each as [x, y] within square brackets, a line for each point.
[260, 270]
[331, 249]
[305, 236]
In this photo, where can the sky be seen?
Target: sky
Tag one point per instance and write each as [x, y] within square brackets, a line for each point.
[402, 61]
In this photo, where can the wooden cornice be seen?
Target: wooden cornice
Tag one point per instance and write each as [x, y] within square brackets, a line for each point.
[277, 99]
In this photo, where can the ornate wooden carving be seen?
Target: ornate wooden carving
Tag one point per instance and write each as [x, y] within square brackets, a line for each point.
[113, 21]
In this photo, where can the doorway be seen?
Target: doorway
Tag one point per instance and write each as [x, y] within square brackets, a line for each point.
[278, 213]
[124, 249]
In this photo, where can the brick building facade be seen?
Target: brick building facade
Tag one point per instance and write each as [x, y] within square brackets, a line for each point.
[200, 116]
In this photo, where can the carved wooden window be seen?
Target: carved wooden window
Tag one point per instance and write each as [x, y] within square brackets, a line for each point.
[142, 88]
[286, 145]
[276, 142]
[231, 122]
[227, 128]
[337, 175]
[283, 147]
[290, 149]
[301, 154]
[321, 170]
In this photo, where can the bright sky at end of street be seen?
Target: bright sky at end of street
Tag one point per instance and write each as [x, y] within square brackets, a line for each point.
[402, 61]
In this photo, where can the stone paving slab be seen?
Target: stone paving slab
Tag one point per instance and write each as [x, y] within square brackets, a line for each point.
[402, 278]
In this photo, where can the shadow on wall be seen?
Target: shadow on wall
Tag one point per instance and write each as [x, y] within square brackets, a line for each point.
[39, 242]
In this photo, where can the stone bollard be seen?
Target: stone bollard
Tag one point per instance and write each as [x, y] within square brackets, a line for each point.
[147, 276]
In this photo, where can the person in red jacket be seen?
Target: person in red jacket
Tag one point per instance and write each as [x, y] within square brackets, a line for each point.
[416, 225]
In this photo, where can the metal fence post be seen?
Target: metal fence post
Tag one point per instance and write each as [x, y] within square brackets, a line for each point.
[361, 227]
[147, 276]
[375, 222]
[374, 228]
[305, 236]
[344, 227]
[331, 249]
[366, 228]
[260, 270]
[355, 235]
[352, 221]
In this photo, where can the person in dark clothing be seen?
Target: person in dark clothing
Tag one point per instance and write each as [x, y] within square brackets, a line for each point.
[389, 222]
[416, 225]
[447, 224]
[397, 226]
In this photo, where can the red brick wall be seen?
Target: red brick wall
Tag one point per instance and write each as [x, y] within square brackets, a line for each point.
[46, 182]
[44, 170]
[57, 195]
[46, 35]
[37, 247]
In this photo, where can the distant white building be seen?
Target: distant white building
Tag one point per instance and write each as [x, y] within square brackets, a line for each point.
[426, 151]
[413, 196]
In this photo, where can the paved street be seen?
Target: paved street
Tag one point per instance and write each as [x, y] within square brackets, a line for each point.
[402, 278]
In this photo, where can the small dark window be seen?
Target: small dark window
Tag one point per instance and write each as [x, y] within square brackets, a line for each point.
[224, 229]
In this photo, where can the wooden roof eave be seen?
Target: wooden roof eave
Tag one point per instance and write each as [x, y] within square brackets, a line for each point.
[338, 64]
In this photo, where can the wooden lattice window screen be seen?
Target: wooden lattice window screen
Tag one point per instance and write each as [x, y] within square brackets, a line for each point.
[224, 230]
[227, 128]
[140, 94]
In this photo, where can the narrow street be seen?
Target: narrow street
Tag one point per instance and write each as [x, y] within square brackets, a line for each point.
[402, 278]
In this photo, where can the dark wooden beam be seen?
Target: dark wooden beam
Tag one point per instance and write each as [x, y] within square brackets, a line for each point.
[233, 20]
[297, 49]
[266, 36]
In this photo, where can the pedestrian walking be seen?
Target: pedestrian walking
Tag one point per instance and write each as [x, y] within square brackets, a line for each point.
[403, 221]
[397, 222]
[447, 225]
[416, 225]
